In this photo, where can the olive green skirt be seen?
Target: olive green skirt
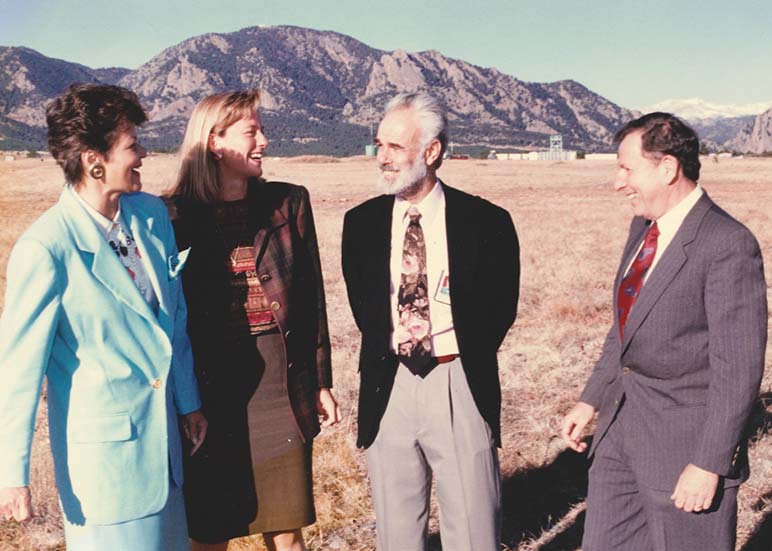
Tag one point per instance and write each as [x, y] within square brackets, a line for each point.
[281, 462]
[284, 488]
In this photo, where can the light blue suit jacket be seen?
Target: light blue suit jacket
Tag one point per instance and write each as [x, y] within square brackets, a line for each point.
[118, 374]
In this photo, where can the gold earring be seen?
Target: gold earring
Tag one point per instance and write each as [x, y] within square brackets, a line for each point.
[97, 171]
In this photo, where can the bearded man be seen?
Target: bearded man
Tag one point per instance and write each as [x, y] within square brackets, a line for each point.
[432, 276]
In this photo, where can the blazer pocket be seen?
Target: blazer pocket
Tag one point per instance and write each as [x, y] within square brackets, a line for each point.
[176, 262]
[108, 428]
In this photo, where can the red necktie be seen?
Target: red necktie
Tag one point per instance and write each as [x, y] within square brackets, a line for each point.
[633, 281]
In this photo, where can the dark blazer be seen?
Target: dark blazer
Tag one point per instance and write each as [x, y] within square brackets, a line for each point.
[290, 274]
[484, 267]
[692, 358]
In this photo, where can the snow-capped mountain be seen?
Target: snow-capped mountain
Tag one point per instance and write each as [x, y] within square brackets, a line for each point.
[697, 109]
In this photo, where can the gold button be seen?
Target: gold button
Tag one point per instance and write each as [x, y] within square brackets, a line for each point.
[626, 370]
[265, 277]
[275, 305]
[157, 384]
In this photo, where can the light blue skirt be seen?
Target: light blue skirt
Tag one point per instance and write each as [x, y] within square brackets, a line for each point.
[166, 530]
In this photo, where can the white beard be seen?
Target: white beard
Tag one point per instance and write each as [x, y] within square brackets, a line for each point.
[408, 179]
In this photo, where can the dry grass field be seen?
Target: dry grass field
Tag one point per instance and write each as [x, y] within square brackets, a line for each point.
[572, 227]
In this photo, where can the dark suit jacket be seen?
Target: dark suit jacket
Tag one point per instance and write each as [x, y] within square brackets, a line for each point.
[219, 477]
[483, 255]
[692, 358]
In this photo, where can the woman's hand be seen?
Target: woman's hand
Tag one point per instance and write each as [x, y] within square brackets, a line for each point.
[195, 425]
[327, 408]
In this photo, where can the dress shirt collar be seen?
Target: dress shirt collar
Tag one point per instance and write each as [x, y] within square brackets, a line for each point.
[669, 222]
[102, 221]
[429, 206]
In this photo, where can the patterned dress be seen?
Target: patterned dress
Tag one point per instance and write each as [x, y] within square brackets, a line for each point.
[281, 461]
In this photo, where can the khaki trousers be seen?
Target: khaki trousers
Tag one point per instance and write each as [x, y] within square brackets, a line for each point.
[432, 426]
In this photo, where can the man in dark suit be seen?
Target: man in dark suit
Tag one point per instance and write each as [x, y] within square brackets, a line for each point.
[432, 276]
[682, 363]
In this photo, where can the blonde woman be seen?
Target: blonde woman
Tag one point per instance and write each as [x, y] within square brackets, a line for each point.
[258, 327]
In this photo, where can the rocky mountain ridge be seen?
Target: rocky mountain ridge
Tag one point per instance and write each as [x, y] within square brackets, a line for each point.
[755, 137]
[323, 92]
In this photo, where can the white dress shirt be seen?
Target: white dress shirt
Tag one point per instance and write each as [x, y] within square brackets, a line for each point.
[432, 209]
[116, 231]
[668, 225]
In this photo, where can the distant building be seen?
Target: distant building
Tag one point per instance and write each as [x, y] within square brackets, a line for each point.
[562, 155]
[555, 153]
[600, 156]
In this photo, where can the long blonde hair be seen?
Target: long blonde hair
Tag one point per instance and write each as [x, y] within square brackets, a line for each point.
[197, 178]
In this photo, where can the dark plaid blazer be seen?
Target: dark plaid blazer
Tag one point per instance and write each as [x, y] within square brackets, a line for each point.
[290, 273]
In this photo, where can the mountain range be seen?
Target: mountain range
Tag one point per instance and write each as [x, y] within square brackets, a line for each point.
[757, 137]
[697, 109]
[323, 92]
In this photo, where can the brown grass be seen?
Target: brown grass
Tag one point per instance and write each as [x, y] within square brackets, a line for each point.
[572, 228]
[309, 159]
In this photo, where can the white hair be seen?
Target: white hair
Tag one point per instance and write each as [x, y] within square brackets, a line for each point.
[431, 117]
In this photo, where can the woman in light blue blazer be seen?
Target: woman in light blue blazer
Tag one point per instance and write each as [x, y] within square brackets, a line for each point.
[94, 304]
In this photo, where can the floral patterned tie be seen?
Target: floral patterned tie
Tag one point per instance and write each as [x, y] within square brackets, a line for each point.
[633, 281]
[413, 332]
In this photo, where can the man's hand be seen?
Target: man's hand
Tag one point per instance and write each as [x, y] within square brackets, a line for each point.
[327, 408]
[573, 425]
[15, 504]
[195, 425]
[695, 489]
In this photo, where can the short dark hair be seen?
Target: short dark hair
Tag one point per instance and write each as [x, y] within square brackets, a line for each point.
[665, 134]
[88, 116]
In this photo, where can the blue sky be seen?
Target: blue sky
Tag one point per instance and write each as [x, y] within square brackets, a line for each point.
[635, 53]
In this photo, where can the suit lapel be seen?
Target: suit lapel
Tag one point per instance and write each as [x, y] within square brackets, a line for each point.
[380, 241]
[265, 244]
[266, 216]
[673, 259]
[462, 231]
[105, 265]
[152, 249]
[633, 244]
[379, 246]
